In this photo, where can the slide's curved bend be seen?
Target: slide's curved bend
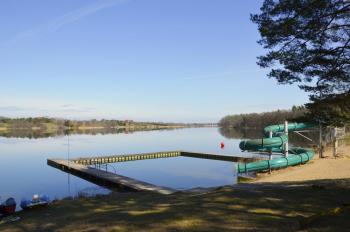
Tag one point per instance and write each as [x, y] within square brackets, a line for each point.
[275, 144]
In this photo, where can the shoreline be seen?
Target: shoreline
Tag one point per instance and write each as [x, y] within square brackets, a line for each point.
[284, 200]
[52, 132]
[132, 127]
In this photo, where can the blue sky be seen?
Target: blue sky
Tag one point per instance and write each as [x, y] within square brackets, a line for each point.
[149, 60]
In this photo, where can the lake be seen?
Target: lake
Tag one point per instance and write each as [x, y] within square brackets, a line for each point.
[24, 171]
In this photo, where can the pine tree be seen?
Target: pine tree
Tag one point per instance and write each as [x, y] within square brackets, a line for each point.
[308, 43]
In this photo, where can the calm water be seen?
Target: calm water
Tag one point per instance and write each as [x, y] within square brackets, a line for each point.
[24, 170]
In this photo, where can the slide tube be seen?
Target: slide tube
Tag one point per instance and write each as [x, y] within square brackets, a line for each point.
[275, 144]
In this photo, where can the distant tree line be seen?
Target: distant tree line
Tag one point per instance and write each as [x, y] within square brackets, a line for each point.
[97, 123]
[45, 123]
[39, 123]
[260, 120]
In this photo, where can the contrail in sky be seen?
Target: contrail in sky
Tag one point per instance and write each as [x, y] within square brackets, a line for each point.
[80, 13]
[66, 19]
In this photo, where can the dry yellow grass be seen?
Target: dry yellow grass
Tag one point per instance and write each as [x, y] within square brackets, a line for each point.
[247, 207]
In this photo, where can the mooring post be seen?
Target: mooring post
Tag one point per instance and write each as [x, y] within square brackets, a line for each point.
[286, 133]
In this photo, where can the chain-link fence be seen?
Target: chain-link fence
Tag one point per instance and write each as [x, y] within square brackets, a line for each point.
[336, 138]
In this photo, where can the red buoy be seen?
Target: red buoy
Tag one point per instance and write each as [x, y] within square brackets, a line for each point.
[222, 145]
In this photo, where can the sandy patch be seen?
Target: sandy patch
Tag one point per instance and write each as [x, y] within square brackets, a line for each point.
[317, 169]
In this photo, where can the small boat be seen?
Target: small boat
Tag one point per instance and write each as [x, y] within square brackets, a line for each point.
[8, 207]
[37, 201]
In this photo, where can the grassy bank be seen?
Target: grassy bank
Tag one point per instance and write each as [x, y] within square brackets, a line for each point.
[318, 205]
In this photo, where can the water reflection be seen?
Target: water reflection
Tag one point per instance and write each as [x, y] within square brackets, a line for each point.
[23, 159]
[233, 133]
[36, 134]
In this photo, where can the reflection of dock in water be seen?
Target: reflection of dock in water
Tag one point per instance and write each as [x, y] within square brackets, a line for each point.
[80, 167]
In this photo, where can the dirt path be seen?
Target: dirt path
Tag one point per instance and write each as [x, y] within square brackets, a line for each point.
[317, 169]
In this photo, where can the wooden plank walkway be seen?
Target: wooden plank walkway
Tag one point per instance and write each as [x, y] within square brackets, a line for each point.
[125, 158]
[210, 156]
[107, 179]
[157, 155]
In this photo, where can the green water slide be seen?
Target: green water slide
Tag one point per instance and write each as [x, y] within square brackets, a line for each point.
[291, 127]
[275, 144]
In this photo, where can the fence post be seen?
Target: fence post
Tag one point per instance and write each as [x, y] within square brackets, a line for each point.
[320, 146]
[335, 142]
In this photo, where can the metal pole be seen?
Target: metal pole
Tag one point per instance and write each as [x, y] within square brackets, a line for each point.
[270, 152]
[286, 127]
[286, 133]
[68, 160]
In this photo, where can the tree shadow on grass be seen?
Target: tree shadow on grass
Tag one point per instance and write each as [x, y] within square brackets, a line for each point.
[272, 207]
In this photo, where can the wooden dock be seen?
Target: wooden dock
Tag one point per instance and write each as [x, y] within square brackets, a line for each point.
[157, 155]
[210, 156]
[80, 167]
[107, 179]
[125, 158]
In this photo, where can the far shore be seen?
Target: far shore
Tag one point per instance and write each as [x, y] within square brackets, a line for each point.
[131, 127]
